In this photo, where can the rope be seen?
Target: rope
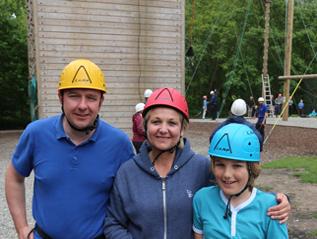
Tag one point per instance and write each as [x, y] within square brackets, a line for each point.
[229, 82]
[284, 108]
[246, 73]
[200, 59]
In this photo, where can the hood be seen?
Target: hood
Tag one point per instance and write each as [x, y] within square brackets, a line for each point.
[182, 157]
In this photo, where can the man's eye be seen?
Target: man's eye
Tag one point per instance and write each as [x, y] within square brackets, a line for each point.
[92, 98]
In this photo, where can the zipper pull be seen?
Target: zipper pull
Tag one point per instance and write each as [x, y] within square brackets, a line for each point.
[163, 184]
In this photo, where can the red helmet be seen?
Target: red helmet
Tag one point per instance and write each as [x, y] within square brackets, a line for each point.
[169, 97]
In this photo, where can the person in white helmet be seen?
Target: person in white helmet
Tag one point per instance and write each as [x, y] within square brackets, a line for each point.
[261, 115]
[137, 127]
[212, 105]
[147, 94]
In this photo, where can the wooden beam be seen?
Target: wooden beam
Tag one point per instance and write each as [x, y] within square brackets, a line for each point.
[288, 55]
[298, 77]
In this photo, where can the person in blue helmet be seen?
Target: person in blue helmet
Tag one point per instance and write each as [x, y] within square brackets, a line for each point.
[237, 112]
[234, 208]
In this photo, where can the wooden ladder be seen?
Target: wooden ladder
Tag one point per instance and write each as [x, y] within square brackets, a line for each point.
[267, 95]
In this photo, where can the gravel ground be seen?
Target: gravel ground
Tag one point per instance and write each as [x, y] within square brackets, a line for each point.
[282, 141]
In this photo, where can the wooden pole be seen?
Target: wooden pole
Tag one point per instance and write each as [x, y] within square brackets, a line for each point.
[288, 55]
[266, 37]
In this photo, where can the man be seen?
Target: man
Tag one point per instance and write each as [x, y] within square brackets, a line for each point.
[261, 115]
[74, 156]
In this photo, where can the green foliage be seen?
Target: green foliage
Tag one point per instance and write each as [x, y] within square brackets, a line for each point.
[14, 69]
[303, 167]
[313, 233]
[227, 38]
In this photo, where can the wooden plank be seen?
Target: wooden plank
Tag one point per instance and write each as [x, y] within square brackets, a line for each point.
[49, 42]
[146, 3]
[106, 37]
[109, 49]
[57, 68]
[109, 9]
[100, 25]
[131, 74]
[76, 55]
[134, 18]
[107, 31]
[105, 63]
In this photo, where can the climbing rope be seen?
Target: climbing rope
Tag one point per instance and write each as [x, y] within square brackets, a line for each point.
[278, 119]
[235, 63]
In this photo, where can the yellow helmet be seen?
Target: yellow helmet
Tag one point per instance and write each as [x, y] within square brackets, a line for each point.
[82, 73]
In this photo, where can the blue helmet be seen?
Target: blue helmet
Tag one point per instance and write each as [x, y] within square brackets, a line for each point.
[237, 142]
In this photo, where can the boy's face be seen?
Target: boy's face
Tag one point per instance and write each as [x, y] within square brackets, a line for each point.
[230, 175]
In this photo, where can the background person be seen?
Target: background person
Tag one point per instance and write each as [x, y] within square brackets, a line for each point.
[212, 105]
[147, 94]
[152, 194]
[74, 157]
[235, 208]
[205, 103]
[137, 127]
[300, 108]
[261, 116]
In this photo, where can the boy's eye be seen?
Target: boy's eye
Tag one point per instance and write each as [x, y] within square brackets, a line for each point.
[237, 165]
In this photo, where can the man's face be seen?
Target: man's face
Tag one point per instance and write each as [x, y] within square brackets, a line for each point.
[81, 106]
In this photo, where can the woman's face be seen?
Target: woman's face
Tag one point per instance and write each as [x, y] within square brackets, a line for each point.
[164, 128]
[230, 175]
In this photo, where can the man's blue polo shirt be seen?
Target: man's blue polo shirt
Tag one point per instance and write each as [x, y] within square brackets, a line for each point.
[72, 183]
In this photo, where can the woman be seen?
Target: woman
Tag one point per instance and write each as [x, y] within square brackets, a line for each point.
[235, 208]
[152, 194]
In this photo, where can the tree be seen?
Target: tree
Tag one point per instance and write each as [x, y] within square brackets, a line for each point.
[228, 46]
[14, 65]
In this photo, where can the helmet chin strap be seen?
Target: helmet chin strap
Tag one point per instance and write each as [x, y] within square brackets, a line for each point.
[86, 129]
[228, 211]
[170, 150]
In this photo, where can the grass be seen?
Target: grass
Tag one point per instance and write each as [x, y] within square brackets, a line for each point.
[304, 167]
[313, 233]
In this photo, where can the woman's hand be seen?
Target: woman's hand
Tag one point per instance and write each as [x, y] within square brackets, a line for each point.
[282, 210]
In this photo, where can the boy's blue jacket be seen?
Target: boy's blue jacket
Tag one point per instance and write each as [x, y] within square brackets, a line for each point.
[144, 205]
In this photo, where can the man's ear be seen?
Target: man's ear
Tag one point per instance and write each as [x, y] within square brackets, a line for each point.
[101, 100]
[60, 96]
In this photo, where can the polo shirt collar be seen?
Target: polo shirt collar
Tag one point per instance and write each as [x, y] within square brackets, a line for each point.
[60, 132]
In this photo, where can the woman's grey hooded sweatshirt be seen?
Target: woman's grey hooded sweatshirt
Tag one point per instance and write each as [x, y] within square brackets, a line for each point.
[145, 206]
